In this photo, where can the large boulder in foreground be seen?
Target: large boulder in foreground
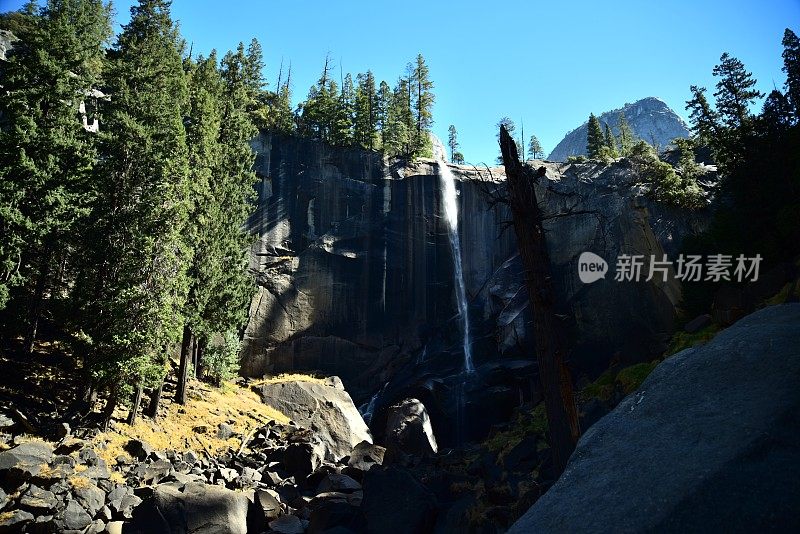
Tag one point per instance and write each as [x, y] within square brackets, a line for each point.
[709, 443]
[198, 509]
[323, 407]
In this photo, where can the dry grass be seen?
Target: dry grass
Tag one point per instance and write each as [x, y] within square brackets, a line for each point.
[79, 482]
[288, 377]
[238, 407]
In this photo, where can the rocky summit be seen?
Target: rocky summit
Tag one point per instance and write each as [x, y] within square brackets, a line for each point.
[650, 119]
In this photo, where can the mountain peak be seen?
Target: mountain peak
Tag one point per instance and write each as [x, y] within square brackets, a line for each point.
[650, 119]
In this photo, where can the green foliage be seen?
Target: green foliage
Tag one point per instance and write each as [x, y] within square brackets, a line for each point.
[683, 340]
[46, 156]
[595, 141]
[532, 423]
[511, 128]
[791, 66]
[626, 137]
[580, 158]
[423, 97]
[366, 116]
[452, 142]
[625, 380]
[535, 148]
[221, 359]
[134, 280]
[666, 185]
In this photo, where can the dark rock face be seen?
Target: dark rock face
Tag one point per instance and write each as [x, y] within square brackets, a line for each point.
[356, 276]
[650, 119]
[394, 502]
[409, 431]
[708, 443]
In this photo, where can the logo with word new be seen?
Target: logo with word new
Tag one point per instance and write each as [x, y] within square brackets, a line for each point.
[591, 267]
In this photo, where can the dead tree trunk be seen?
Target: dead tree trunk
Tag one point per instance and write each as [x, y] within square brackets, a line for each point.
[555, 379]
[187, 349]
[108, 411]
[37, 301]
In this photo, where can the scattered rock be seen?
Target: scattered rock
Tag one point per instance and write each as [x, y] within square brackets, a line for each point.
[74, 517]
[224, 431]
[38, 500]
[365, 455]
[287, 524]
[24, 461]
[14, 520]
[270, 503]
[138, 449]
[302, 459]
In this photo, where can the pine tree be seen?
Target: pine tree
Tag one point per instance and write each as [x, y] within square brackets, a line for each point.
[610, 143]
[383, 103]
[342, 112]
[258, 98]
[626, 137]
[365, 121]
[397, 131]
[421, 86]
[535, 148]
[135, 282]
[452, 141]
[595, 140]
[735, 92]
[791, 66]
[203, 124]
[319, 109]
[46, 155]
[703, 118]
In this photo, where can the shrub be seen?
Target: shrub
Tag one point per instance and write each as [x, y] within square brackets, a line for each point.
[221, 360]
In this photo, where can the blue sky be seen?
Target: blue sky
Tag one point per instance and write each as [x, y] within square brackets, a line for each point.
[548, 64]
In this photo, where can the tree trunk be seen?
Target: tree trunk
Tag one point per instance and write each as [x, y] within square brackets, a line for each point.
[200, 347]
[37, 301]
[187, 345]
[155, 400]
[108, 411]
[137, 401]
[555, 378]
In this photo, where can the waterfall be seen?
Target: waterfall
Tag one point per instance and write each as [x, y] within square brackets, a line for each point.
[450, 194]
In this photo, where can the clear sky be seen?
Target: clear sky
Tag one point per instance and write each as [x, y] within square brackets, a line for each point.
[547, 64]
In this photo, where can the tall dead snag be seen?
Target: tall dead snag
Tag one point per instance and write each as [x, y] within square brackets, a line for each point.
[559, 401]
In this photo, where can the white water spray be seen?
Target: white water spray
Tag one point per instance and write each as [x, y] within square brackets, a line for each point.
[450, 196]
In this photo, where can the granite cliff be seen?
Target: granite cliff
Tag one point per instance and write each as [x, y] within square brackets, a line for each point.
[354, 275]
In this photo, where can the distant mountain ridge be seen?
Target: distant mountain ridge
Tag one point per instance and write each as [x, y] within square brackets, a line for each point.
[650, 119]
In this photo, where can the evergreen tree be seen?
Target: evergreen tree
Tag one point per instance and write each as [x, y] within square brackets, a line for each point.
[626, 137]
[777, 115]
[421, 86]
[383, 104]
[791, 66]
[535, 148]
[610, 143]
[595, 140]
[365, 121]
[397, 132]
[46, 155]
[258, 98]
[452, 141]
[703, 118]
[319, 110]
[342, 112]
[735, 92]
[135, 282]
